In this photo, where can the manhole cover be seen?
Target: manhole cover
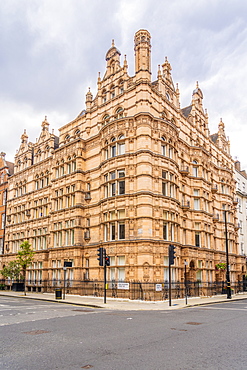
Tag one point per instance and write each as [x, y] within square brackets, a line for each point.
[193, 323]
[36, 332]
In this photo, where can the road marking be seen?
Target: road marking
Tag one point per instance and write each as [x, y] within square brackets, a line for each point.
[225, 308]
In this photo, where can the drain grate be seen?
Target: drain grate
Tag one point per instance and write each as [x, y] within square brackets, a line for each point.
[36, 332]
[193, 323]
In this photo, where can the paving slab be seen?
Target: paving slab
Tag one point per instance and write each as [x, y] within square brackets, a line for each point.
[126, 304]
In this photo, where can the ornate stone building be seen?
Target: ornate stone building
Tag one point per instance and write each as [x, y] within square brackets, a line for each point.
[241, 189]
[132, 173]
[6, 170]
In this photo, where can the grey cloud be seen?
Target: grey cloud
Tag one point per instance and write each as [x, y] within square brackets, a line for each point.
[51, 53]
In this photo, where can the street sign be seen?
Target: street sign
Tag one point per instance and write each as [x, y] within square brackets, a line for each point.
[123, 286]
[158, 287]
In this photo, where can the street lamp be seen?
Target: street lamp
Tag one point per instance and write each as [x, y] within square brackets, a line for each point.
[185, 281]
[228, 283]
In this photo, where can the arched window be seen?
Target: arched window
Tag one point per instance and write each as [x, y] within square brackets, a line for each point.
[170, 150]
[113, 147]
[77, 132]
[163, 146]
[121, 87]
[38, 156]
[121, 145]
[106, 119]
[195, 168]
[119, 113]
[112, 92]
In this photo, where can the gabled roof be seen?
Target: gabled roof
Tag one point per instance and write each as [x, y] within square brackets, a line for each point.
[11, 167]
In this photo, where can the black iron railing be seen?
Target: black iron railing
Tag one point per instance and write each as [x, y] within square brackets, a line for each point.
[147, 291]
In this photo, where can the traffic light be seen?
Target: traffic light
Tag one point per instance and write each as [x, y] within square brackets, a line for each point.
[171, 254]
[107, 260]
[100, 258]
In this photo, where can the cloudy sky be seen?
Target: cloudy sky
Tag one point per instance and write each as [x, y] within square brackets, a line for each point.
[52, 50]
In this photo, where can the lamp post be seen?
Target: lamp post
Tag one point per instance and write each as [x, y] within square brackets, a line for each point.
[185, 282]
[229, 295]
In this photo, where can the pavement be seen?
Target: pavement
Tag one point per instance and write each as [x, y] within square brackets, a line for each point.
[126, 304]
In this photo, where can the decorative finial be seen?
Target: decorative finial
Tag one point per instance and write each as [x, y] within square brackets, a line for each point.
[125, 61]
[159, 72]
[112, 43]
[197, 84]
[45, 118]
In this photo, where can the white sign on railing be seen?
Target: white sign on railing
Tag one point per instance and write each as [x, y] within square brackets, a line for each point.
[158, 287]
[123, 286]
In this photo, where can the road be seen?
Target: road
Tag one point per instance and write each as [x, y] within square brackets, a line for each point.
[47, 335]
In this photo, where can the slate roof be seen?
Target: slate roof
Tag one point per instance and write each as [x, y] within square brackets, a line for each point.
[11, 167]
[186, 111]
[214, 137]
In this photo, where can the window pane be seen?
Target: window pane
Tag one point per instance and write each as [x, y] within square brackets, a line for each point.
[113, 232]
[121, 231]
[121, 187]
[113, 189]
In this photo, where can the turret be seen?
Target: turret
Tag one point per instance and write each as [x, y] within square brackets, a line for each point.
[143, 54]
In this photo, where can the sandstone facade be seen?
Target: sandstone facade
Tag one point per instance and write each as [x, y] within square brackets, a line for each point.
[132, 173]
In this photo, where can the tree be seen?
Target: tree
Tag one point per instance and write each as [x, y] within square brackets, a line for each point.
[12, 270]
[24, 259]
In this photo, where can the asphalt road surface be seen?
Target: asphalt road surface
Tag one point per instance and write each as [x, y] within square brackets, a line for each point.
[45, 335]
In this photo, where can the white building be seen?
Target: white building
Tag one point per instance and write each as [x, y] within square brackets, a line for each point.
[241, 191]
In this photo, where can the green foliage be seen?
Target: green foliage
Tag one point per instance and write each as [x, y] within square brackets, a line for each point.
[12, 270]
[17, 268]
[220, 266]
[25, 255]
